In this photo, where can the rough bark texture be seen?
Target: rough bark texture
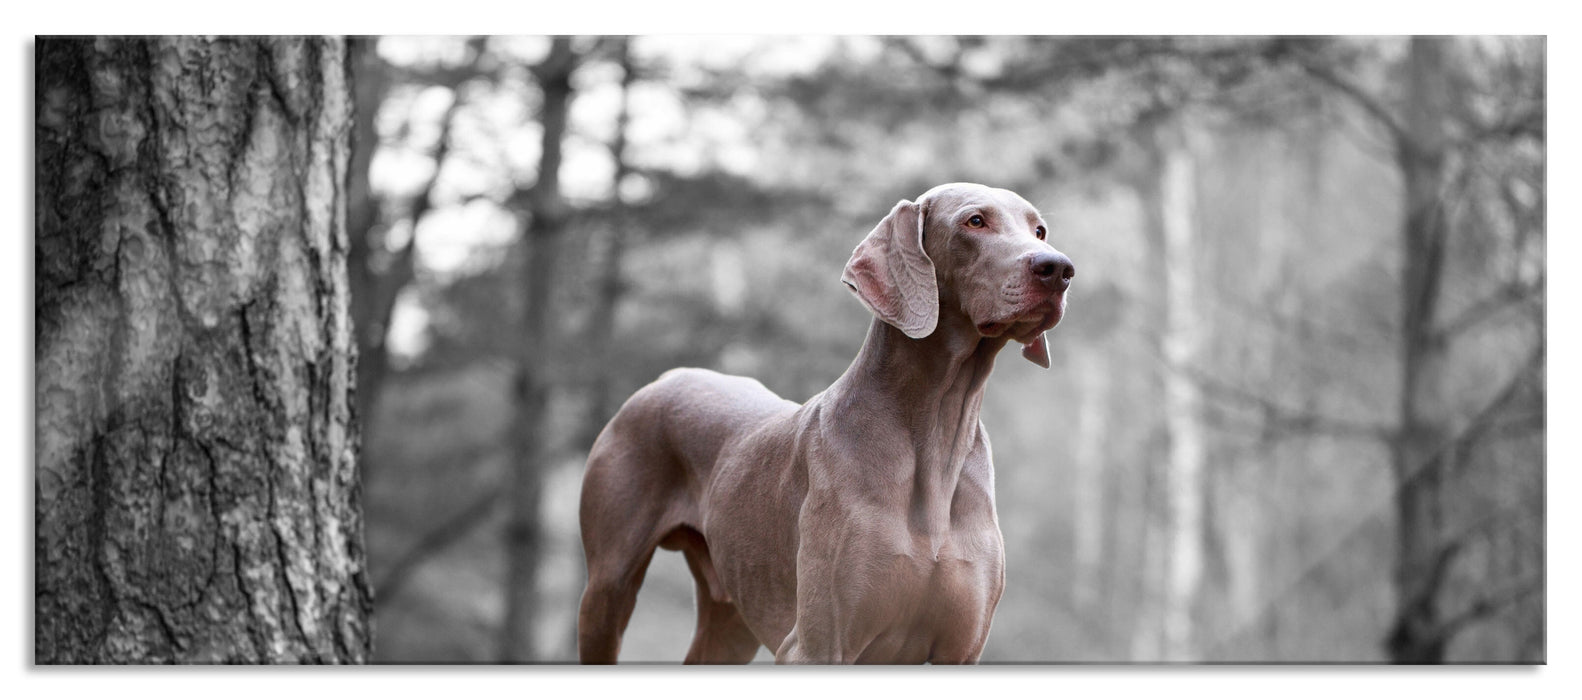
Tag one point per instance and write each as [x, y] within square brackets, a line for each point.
[196, 493]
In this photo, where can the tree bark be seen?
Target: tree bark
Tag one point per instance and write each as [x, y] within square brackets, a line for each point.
[197, 499]
[546, 222]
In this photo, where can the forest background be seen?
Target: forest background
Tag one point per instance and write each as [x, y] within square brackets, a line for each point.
[1297, 410]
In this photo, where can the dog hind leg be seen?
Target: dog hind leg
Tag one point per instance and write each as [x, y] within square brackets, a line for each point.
[722, 636]
[607, 605]
[621, 525]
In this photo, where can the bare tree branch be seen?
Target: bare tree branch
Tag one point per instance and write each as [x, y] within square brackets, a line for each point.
[424, 200]
[1484, 309]
[401, 267]
[1482, 420]
[949, 70]
[1524, 123]
[1316, 68]
[1490, 604]
[1279, 418]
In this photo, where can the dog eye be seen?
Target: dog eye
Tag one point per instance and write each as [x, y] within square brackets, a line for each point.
[1039, 232]
[976, 221]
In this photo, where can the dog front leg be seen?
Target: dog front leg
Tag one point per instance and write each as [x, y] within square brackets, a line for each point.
[846, 573]
[822, 633]
[818, 648]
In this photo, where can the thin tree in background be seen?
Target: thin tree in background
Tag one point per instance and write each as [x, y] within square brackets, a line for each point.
[1421, 555]
[197, 499]
[609, 287]
[600, 337]
[380, 274]
[545, 213]
[374, 284]
[1185, 480]
[1174, 524]
[1435, 140]
[1426, 435]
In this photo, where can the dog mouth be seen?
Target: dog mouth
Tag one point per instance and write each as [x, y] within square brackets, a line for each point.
[1025, 326]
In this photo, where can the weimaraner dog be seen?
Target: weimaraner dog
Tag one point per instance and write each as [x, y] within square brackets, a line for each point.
[858, 527]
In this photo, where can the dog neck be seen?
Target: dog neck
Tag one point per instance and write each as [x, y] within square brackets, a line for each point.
[931, 389]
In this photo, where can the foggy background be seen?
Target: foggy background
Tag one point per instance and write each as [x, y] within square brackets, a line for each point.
[1252, 446]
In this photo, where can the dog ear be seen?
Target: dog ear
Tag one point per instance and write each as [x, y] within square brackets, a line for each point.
[1037, 352]
[892, 275]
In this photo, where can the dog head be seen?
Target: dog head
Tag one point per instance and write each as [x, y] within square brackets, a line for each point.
[965, 249]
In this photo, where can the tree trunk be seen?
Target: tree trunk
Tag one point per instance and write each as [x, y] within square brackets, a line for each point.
[609, 288]
[378, 275]
[1417, 454]
[600, 338]
[196, 493]
[1183, 406]
[1173, 525]
[1147, 609]
[537, 363]
[373, 292]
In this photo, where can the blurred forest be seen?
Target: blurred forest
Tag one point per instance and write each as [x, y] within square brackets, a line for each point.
[1297, 408]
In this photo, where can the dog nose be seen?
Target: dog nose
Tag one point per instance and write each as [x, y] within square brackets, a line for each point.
[1053, 270]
